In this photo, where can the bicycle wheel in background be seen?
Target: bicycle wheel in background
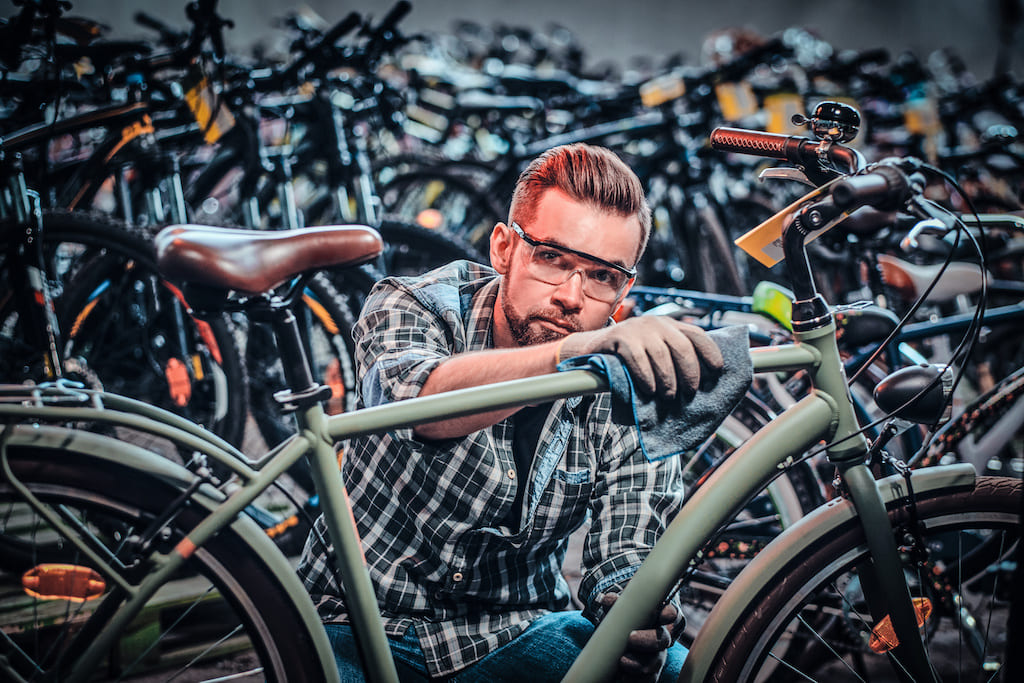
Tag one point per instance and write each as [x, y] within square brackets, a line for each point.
[127, 331]
[134, 333]
[443, 201]
[810, 621]
[411, 249]
[225, 613]
[989, 434]
[785, 500]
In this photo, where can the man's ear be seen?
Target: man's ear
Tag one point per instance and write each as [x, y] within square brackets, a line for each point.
[502, 243]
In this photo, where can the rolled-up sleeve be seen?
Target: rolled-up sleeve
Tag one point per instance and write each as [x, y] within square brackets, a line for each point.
[398, 345]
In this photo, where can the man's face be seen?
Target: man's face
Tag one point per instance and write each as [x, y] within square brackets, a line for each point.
[532, 311]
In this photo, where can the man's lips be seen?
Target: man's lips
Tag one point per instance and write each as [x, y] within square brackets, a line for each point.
[557, 325]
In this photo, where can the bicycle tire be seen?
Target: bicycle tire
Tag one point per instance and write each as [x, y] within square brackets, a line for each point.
[463, 208]
[989, 434]
[411, 249]
[229, 573]
[807, 611]
[777, 507]
[87, 250]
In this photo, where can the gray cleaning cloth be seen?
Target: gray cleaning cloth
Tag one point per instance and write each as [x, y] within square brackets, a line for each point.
[669, 427]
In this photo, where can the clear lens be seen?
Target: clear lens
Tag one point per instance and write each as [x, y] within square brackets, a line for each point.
[554, 266]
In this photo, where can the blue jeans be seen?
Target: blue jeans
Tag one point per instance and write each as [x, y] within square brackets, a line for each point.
[544, 652]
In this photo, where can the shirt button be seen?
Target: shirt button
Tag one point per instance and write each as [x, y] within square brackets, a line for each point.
[511, 474]
[457, 576]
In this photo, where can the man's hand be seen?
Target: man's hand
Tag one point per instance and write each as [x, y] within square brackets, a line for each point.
[647, 648]
[661, 353]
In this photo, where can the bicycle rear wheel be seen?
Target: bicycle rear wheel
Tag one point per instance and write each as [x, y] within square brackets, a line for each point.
[809, 623]
[784, 501]
[225, 613]
[446, 201]
[411, 249]
[134, 332]
[125, 329]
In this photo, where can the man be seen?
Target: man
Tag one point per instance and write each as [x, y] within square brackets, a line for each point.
[465, 522]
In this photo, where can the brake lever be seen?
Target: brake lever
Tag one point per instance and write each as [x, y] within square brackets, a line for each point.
[910, 243]
[933, 218]
[783, 173]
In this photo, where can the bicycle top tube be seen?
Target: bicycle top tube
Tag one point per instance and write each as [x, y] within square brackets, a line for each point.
[25, 403]
[530, 390]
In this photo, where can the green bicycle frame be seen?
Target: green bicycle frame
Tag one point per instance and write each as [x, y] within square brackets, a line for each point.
[764, 457]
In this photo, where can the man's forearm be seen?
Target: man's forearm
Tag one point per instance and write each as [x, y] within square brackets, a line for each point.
[477, 368]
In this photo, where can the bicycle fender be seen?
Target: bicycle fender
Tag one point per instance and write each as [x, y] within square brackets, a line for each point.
[822, 523]
[90, 446]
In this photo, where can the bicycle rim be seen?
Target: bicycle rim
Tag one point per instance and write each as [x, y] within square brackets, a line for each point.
[223, 614]
[811, 623]
[444, 202]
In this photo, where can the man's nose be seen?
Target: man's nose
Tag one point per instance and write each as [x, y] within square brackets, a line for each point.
[569, 294]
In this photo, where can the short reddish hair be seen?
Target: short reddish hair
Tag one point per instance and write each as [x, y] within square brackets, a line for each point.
[587, 173]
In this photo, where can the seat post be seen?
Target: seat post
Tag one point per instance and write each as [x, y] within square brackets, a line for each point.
[301, 390]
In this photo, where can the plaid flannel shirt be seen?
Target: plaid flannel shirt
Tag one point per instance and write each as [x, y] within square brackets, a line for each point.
[430, 514]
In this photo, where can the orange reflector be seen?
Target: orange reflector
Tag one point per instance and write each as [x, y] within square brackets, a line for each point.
[63, 582]
[430, 218]
[282, 527]
[333, 378]
[321, 313]
[625, 310]
[178, 383]
[883, 635]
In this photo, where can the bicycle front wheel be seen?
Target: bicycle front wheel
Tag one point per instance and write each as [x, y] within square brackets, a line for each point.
[811, 622]
[224, 613]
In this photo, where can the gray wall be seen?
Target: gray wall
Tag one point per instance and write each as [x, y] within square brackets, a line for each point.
[618, 30]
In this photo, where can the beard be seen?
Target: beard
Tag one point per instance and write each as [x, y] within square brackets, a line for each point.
[522, 331]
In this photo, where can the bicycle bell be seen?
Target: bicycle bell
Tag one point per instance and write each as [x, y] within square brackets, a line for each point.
[832, 121]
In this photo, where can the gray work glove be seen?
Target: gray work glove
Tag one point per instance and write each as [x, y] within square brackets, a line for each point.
[647, 648]
[660, 353]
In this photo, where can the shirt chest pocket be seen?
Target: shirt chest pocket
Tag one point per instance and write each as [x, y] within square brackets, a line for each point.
[562, 506]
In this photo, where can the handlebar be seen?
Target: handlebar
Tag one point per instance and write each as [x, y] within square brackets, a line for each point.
[343, 27]
[884, 187]
[390, 21]
[793, 148]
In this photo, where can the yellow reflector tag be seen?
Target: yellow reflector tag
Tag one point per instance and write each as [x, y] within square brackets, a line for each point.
[736, 100]
[63, 582]
[662, 89]
[780, 108]
[197, 366]
[883, 635]
[207, 108]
